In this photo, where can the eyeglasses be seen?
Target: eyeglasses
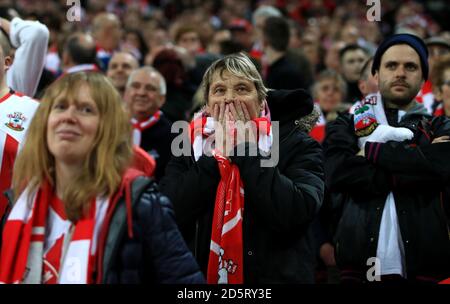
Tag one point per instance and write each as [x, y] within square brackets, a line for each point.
[446, 82]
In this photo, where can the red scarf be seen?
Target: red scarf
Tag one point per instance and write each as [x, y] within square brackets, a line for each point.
[139, 126]
[226, 260]
[32, 227]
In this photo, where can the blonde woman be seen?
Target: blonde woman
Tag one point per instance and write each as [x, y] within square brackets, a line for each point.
[81, 213]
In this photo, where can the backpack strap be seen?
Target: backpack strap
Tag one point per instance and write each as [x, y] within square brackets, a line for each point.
[118, 225]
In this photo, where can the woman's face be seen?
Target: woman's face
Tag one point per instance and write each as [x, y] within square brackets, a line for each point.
[228, 88]
[72, 126]
[329, 96]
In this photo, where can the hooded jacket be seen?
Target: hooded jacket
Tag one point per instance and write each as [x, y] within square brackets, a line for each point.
[280, 201]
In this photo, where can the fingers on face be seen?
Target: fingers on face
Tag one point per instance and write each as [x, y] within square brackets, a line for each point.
[216, 112]
[233, 111]
[221, 112]
[246, 113]
[240, 111]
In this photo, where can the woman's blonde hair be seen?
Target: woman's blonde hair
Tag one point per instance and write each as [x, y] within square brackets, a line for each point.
[239, 65]
[110, 154]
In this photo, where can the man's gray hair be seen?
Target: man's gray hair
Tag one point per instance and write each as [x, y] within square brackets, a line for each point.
[238, 65]
[150, 70]
[266, 11]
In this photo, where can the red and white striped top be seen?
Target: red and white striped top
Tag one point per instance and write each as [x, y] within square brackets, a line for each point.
[16, 112]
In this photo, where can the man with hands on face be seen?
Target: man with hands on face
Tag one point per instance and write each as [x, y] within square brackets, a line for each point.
[246, 221]
[233, 117]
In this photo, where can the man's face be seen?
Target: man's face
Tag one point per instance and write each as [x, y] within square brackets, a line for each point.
[143, 96]
[191, 42]
[434, 52]
[400, 75]
[368, 84]
[352, 62]
[119, 68]
[259, 25]
[112, 33]
[328, 94]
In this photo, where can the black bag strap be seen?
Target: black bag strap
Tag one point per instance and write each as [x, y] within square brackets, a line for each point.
[118, 225]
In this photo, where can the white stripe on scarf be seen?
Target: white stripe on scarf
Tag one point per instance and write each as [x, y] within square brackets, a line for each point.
[390, 245]
[74, 268]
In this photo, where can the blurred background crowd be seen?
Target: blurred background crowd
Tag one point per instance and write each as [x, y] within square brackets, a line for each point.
[328, 43]
[322, 46]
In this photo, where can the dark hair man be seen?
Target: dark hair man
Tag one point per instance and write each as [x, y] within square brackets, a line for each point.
[389, 161]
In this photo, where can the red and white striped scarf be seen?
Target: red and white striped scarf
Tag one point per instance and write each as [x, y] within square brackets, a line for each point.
[139, 126]
[226, 260]
[318, 131]
[36, 233]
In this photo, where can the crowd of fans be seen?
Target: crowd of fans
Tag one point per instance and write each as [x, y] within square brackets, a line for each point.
[156, 53]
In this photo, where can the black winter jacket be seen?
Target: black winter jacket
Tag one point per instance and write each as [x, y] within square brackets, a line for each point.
[157, 252]
[418, 174]
[280, 201]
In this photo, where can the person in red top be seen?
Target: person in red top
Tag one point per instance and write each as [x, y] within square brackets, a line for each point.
[17, 110]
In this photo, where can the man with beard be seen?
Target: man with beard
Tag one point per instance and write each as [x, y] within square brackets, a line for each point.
[388, 168]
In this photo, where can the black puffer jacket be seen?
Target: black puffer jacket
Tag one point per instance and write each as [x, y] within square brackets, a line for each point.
[157, 252]
[280, 201]
[418, 174]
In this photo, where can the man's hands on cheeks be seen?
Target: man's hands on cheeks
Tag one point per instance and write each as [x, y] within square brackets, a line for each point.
[233, 126]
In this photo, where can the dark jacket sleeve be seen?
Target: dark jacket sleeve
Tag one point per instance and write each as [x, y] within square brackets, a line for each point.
[190, 186]
[429, 161]
[345, 171]
[169, 256]
[287, 200]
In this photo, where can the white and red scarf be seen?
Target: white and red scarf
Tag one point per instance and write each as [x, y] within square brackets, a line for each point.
[225, 264]
[139, 126]
[41, 246]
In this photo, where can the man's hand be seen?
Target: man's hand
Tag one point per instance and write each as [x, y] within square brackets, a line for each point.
[239, 111]
[441, 139]
[246, 130]
[5, 25]
[326, 253]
